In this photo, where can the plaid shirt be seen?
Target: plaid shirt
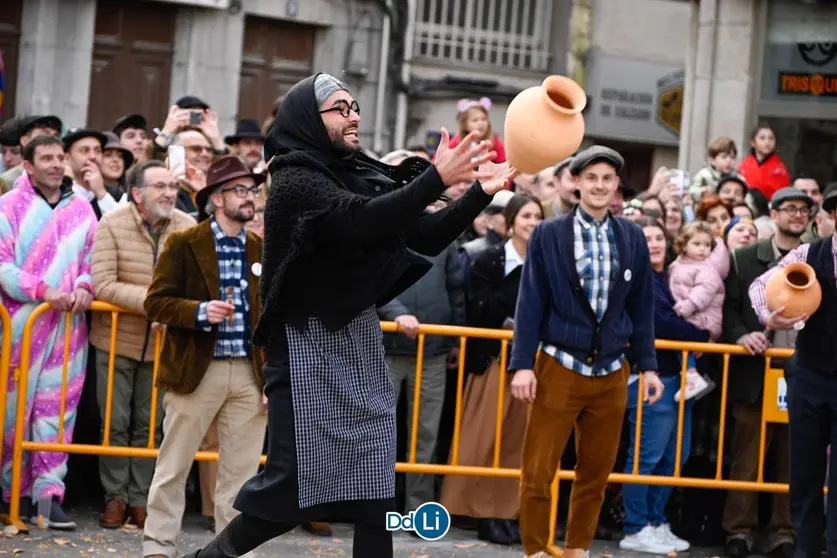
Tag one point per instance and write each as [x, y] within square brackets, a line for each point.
[233, 338]
[597, 265]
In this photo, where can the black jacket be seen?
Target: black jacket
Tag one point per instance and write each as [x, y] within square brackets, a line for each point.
[492, 297]
[332, 254]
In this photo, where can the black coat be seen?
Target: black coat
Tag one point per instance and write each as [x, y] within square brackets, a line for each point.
[333, 261]
[746, 373]
[492, 297]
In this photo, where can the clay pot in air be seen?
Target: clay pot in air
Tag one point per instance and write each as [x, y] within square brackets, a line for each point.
[796, 288]
[544, 124]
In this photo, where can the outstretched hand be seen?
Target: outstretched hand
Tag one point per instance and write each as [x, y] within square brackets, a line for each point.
[461, 163]
[501, 175]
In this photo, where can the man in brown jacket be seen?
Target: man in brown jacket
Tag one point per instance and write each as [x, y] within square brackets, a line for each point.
[205, 290]
[125, 251]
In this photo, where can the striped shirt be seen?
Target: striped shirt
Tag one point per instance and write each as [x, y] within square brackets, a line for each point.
[233, 336]
[757, 288]
[597, 265]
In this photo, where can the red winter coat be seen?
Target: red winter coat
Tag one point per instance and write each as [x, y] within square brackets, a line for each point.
[768, 176]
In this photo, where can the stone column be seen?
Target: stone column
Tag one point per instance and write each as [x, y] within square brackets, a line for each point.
[720, 77]
[56, 53]
[207, 60]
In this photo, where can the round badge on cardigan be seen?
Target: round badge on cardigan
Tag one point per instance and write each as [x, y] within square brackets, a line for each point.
[256, 268]
[628, 275]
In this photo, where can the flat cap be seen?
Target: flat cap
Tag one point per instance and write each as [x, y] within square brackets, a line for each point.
[789, 193]
[829, 202]
[734, 177]
[596, 154]
[562, 165]
[10, 132]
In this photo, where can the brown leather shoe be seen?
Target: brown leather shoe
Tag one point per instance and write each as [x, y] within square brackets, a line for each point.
[319, 528]
[113, 517]
[137, 515]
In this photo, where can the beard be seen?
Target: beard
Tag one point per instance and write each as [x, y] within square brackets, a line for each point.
[338, 139]
[157, 211]
[238, 215]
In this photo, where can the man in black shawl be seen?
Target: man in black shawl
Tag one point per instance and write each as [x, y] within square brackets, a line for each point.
[342, 236]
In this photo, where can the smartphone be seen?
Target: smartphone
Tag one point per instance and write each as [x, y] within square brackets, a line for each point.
[177, 161]
[195, 118]
[681, 180]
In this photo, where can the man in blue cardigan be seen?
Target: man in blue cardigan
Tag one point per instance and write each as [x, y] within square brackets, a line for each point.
[585, 295]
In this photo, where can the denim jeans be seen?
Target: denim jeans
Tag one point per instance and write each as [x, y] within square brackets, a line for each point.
[644, 504]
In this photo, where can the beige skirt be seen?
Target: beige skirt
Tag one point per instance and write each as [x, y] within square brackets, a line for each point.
[487, 497]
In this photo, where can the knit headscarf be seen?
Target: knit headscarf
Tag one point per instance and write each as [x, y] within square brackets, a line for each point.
[325, 86]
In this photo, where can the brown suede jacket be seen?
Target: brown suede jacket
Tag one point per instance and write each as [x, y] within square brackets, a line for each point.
[186, 275]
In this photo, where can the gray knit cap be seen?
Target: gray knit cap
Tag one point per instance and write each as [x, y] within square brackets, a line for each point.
[325, 85]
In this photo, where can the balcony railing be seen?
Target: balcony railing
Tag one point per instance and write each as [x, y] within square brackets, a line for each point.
[513, 34]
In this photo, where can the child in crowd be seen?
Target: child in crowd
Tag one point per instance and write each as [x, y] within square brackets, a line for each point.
[697, 284]
[473, 115]
[762, 168]
[720, 154]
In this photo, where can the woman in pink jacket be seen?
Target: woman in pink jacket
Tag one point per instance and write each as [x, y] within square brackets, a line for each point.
[696, 280]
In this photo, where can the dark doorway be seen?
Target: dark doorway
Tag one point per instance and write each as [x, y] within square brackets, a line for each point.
[276, 55]
[10, 16]
[132, 58]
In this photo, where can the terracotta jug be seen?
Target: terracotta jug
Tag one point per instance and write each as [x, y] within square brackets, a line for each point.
[544, 124]
[796, 288]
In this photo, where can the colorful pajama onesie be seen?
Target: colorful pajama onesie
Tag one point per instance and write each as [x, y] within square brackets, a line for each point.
[41, 246]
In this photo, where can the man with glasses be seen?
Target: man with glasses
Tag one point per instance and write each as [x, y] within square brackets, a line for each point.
[128, 241]
[205, 291]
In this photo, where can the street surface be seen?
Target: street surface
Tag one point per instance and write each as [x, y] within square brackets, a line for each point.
[91, 541]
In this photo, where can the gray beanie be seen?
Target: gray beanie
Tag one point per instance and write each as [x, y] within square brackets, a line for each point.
[325, 85]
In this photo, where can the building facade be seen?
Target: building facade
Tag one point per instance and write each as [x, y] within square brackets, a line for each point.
[633, 62]
[91, 61]
[772, 61]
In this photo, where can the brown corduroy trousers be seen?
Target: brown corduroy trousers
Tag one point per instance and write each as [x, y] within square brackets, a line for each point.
[595, 406]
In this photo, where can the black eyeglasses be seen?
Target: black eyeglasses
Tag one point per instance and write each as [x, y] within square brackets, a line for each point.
[794, 210]
[241, 191]
[344, 108]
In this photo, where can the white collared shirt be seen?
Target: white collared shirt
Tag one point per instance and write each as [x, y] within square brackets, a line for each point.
[513, 259]
[106, 204]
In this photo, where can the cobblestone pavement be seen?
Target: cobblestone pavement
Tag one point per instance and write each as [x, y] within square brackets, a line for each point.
[90, 541]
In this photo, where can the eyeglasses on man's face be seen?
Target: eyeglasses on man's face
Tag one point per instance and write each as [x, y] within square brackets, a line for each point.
[344, 108]
[794, 210]
[242, 191]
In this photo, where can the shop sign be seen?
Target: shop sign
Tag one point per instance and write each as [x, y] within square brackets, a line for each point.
[633, 99]
[800, 72]
[808, 84]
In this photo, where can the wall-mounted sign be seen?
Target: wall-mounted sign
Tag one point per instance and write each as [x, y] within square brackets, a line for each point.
[807, 84]
[800, 72]
[634, 100]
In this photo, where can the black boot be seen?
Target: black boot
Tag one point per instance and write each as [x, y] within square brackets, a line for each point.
[494, 531]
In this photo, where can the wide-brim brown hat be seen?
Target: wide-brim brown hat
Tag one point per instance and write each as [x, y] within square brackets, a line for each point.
[221, 171]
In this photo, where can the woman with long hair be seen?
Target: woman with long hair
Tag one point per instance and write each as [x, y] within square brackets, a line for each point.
[492, 297]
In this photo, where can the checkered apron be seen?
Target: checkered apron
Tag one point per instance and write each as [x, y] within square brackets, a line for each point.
[344, 412]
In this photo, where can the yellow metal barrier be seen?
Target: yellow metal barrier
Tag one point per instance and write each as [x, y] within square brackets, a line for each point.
[5, 369]
[773, 379]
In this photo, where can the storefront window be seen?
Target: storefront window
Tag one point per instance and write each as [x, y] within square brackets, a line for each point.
[799, 85]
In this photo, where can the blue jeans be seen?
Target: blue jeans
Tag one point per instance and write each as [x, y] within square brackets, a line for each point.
[644, 504]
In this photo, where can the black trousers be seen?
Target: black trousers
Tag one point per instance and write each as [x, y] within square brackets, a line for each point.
[246, 532]
[812, 409]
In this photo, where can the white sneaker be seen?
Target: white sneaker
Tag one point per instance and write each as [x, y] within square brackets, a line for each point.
[696, 386]
[664, 534]
[646, 541]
